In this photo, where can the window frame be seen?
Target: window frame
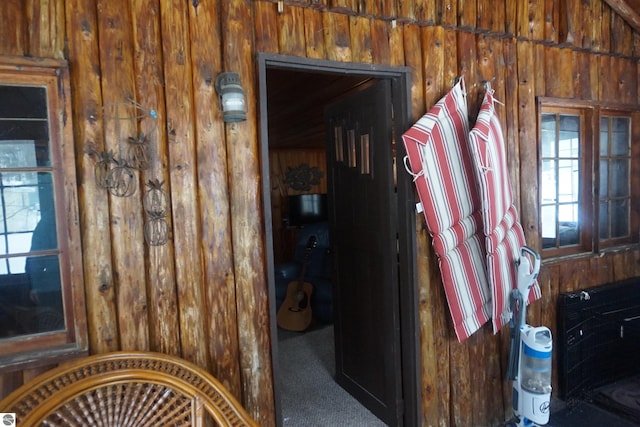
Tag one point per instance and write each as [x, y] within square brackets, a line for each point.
[32, 350]
[591, 113]
[612, 242]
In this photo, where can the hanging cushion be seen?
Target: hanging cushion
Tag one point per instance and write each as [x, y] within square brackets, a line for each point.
[438, 153]
[501, 226]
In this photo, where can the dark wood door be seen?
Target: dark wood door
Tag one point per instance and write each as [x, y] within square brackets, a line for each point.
[363, 218]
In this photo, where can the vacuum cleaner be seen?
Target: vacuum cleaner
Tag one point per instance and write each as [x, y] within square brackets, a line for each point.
[530, 351]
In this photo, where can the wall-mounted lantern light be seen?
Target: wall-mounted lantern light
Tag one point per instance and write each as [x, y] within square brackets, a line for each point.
[231, 97]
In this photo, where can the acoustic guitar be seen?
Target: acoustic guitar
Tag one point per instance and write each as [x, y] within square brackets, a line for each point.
[295, 312]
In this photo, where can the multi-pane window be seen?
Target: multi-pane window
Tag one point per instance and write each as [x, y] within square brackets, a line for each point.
[560, 184]
[585, 179]
[41, 288]
[615, 167]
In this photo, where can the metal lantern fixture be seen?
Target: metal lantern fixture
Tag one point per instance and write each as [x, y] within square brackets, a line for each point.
[231, 97]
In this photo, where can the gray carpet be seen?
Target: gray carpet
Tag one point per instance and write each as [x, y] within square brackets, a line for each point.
[309, 395]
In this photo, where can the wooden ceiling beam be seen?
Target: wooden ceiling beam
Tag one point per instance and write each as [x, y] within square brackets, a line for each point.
[628, 10]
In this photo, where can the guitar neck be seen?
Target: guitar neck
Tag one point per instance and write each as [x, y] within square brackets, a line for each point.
[311, 243]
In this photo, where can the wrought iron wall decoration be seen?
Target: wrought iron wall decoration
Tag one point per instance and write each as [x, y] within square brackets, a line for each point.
[303, 177]
[116, 175]
[117, 172]
[101, 169]
[156, 229]
[139, 152]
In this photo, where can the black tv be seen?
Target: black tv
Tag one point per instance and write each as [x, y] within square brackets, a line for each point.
[307, 209]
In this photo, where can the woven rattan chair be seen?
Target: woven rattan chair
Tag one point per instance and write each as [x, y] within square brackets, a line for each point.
[126, 389]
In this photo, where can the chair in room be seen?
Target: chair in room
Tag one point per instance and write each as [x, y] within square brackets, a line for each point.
[143, 389]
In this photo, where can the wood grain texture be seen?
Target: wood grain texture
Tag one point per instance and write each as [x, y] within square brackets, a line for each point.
[314, 35]
[336, 36]
[46, 28]
[119, 123]
[246, 221]
[182, 165]
[527, 140]
[14, 38]
[266, 24]
[164, 329]
[84, 52]
[291, 38]
[360, 35]
[219, 311]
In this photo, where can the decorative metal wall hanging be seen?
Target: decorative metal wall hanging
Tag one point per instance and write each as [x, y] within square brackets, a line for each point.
[121, 179]
[118, 174]
[139, 152]
[135, 155]
[156, 229]
[102, 167]
[301, 178]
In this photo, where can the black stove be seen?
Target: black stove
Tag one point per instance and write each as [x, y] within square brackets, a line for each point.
[598, 348]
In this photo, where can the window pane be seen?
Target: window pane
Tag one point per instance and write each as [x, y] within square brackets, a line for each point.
[548, 135]
[569, 233]
[604, 178]
[604, 220]
[569, 143]
[619, 218]
[34, 134]
[28, 102]
[620, 136]
[568, 180]
[569, 123]
[548, 226]
[18, 153]
[604, 136]
[619, 178]
[13, 265]
[548, 122]
[18, 243]
[44, 274]
[548, 184]
[26, 208]
[568, 213]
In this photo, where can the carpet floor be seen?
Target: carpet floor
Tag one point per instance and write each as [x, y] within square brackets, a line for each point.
[309, 395]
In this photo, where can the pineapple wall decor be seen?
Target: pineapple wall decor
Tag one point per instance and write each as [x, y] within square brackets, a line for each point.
[118, 171]
[156, 229]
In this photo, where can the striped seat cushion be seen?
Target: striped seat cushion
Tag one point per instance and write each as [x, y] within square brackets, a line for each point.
[438, 153]
[501, 226]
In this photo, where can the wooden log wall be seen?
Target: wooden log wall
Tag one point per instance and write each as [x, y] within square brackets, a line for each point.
[203, 295]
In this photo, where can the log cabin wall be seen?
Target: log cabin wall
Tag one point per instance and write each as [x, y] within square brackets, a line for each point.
[203, 295]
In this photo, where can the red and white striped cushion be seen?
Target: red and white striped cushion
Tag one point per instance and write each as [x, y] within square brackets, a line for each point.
[501, 226]
[438, 152]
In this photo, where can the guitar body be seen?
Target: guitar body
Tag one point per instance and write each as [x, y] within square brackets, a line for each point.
[295, 312]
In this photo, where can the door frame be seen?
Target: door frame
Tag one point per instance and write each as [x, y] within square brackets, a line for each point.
[400, 78]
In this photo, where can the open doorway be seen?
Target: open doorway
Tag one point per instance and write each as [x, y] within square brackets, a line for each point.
[295, 96]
